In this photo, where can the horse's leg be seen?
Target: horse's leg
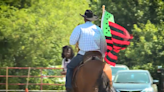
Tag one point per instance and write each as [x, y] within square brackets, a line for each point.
[108, 71]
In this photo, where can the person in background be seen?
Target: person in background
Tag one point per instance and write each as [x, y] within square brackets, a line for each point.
[67, 55]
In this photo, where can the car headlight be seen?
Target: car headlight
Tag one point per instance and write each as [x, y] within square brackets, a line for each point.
[150, 89]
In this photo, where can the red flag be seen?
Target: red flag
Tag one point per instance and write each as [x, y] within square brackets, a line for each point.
[119, 41]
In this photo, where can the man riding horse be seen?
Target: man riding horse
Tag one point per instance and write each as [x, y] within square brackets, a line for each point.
[89, 38]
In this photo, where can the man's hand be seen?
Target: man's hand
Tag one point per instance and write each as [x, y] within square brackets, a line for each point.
[77, 47]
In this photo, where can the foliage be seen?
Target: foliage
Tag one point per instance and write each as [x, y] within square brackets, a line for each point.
[144, 19]
[130, 12]
[32, 36]
[18, 3]
[146, 48]
[32, 33]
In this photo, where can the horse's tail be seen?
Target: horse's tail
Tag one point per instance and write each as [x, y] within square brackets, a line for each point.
[103, 82]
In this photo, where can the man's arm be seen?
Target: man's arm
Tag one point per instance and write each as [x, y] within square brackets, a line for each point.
[103, 44]
[75, 36]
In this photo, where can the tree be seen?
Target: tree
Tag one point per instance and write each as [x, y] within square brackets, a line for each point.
[33, 36]
[130, 12]
[146, 48]
[18, 3]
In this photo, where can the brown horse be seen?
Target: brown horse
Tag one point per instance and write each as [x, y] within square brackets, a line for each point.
[93, 75]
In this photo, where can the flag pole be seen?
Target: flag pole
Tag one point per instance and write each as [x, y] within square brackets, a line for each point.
[103, 10]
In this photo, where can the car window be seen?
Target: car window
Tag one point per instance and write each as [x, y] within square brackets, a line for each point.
[132, 77]
[116, 69]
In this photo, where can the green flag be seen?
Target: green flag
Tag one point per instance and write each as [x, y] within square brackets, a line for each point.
[104, 23]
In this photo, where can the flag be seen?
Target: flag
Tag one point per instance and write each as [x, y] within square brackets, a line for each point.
[119, 41]
[117, 37]
[104, 23]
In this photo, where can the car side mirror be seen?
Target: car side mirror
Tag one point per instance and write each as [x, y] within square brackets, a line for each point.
[155, 81]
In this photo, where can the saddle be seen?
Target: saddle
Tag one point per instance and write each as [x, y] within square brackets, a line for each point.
[91, 55]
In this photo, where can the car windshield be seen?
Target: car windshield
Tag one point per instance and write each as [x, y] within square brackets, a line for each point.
[132, 77]
[116, 69]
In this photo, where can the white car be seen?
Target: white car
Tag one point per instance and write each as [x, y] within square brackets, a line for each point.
[117, 68]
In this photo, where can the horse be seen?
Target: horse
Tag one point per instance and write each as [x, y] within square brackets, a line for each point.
[92, 75]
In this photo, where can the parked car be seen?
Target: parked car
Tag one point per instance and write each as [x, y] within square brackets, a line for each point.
[134, 81]
[117, 68]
